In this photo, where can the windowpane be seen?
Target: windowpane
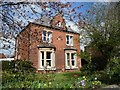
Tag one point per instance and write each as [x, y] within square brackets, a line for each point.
[68, 59]
[71, 40]
[67, 39]
[48, 62]
[68, 56]
[73, 63]
[72, 55]
[49, 37]
[48, 58]
[44, 35]
[73, 59]
[59, 24]
[68, 62]
[42, 57]
[48, 55]
[42, 62]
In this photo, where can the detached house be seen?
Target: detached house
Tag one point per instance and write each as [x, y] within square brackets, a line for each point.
[50, 45]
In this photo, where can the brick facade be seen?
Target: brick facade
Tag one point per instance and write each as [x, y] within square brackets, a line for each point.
[31, 37]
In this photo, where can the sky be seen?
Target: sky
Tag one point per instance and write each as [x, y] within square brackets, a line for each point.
[61, 0]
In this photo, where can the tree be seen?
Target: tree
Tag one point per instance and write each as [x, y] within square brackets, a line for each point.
[16, 15]
[103, 28]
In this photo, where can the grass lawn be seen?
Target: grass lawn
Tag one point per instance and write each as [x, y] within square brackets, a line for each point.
[59, 80]
[32, 80]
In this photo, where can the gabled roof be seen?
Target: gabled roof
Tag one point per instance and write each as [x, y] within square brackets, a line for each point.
[47, 22]
[43, 21]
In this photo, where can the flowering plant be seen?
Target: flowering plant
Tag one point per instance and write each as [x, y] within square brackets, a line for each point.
[87, 82]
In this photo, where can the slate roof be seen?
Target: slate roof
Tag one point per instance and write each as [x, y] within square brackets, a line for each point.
[45, 21]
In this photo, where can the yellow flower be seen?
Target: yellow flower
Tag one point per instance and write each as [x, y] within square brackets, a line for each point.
[45, 84]
[49, 83]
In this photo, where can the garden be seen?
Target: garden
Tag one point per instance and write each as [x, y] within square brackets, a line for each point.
[21, 74]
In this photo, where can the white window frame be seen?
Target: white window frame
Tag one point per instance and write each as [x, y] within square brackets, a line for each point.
[47, 36]
[69, 40]
[70, 62]
[67, 64]
[46, 67]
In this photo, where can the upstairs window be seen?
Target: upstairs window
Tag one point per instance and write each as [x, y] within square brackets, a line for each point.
[46, 36]
[69, 40]
[59, 24]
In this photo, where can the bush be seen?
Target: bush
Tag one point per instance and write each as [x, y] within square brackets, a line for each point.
[8, 65]
[88, 82]
[18, 66]
[98, 63]
[113, 71]
[111, 75]
[14, 72]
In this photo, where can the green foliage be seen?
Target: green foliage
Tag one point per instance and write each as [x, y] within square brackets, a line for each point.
[113, 70]
[8, 65]
[98, 63]
[18, 66]
[82, 79]
[85, 55]
[88, 82]
[111, 75]
[103, 28]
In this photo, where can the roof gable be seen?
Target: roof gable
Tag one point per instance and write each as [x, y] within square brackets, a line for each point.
[58, 22]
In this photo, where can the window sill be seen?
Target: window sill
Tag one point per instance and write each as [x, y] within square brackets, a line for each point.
[68, 68]
[47, 68]
[69, 45]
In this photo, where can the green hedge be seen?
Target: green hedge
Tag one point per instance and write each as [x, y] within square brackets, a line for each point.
[18, 66]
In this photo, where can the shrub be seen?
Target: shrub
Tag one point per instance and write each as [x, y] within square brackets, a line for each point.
[98, 63]
[8, 65]
[88, 82]
[113, 71]
[18, 66]
[111, 75]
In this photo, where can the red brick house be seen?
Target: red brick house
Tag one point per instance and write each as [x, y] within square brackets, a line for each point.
[49, 45]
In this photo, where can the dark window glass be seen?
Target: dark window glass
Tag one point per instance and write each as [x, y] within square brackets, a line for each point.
[48, 55]
[44, 35]
[72, 56]
[42, 55]
[73, 62]
[42, 58]
[42, 62]
[67, 38]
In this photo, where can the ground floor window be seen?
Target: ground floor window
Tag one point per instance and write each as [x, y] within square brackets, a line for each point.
[47, 59]
[71, 61]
